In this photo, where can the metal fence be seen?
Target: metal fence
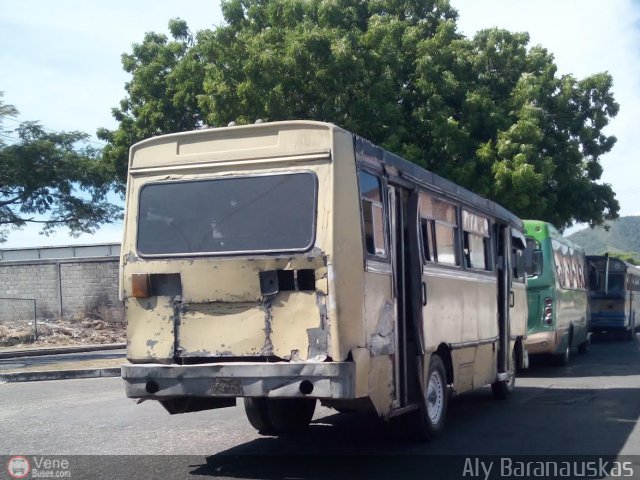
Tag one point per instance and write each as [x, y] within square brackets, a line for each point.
[19, 314]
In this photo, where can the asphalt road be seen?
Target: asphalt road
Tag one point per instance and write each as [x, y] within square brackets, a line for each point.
[25, 363]
[590, 407]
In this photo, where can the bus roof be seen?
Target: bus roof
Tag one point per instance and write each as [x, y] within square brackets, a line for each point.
[601, 260]
[272, 139]
[234, 143]
[541, 230]
[416, 174]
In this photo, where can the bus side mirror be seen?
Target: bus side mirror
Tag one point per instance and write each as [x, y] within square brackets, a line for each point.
[533, 262]
[536, 263]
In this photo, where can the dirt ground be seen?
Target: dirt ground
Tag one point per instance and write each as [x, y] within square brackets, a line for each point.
[63, 331]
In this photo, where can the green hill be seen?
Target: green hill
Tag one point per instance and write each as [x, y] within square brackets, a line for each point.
[623, 238]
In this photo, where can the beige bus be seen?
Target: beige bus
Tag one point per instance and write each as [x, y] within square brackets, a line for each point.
[292, 262]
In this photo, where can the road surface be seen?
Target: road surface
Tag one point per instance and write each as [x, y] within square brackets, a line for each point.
[590, 407]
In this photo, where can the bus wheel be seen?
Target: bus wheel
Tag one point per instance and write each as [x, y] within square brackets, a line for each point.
[434, 409]
[290, 414]
[503, 388]
[584, 346]
[561, 359]
[256, 410]
[631, 333]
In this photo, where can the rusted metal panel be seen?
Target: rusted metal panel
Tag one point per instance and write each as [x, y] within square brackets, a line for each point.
[292, 314]
[380, 322]
[150, 335]
[345, 303]
[221, 329]
[361, 358]
[381, 383]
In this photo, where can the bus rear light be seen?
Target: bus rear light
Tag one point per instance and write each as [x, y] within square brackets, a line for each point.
[548, 311]
[140, 285]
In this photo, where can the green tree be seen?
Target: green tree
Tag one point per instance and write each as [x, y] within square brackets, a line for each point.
[489, 113]
[628, 257]
[51, 178]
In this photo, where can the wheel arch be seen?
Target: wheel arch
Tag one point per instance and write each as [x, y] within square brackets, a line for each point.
[444, 352]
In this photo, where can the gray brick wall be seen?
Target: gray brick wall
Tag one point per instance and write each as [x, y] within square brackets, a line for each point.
[91, 289]
[72, 288]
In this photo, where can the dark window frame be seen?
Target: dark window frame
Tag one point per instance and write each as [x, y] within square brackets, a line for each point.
[385, 214]
[432, 223]
[488, 241]
[240, 253]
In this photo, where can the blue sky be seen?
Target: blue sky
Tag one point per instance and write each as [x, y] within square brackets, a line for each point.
[60, 65]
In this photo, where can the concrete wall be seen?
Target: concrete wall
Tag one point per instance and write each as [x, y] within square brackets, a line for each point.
[70, 287]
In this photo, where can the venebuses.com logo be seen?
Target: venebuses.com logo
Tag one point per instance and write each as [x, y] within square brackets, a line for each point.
[18, 467]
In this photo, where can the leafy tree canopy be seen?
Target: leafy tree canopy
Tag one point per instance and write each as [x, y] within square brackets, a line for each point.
[627, 257]
[51, 178]
[488, 112]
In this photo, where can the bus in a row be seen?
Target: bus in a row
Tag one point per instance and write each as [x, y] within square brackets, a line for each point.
[288, 263]
[614, 289]
[557, 294]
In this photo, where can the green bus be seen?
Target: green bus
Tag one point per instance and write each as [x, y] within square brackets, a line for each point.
[557, 293]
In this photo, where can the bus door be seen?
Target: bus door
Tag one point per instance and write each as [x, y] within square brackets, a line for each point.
[505, 295]
[407, 274]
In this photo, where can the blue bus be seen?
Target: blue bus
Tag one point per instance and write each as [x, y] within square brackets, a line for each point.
[614, 295]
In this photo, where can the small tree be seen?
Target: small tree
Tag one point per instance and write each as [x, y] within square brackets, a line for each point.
[51, 178]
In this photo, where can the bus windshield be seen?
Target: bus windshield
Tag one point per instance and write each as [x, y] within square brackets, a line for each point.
[228, 215]
[616, 281]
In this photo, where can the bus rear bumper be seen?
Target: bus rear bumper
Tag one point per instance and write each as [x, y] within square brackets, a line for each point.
[608, 321]
[542, 342]
[327, 380]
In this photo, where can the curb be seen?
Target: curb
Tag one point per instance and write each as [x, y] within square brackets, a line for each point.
[59, 375]
[61, 350]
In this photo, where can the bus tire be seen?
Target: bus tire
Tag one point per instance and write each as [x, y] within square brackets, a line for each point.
[434, 410]
[504, 388]
[256, 410]
[584, 346]
[561, 359]
[289, 415]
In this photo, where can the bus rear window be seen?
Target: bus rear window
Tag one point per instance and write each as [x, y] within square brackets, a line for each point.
[267, 213]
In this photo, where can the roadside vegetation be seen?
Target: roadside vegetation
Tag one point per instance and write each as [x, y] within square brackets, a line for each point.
[62, 331]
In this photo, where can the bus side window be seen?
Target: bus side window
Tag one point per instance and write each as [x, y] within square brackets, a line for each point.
[446, 233]
[439, 228]
[426, 230]
[476, 241]
[446, 240]
[372, 214]
[517, 260]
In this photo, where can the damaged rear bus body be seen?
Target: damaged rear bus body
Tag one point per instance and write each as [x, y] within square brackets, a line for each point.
[291, 262]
